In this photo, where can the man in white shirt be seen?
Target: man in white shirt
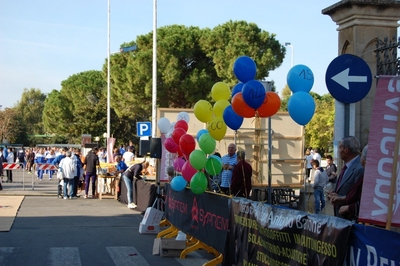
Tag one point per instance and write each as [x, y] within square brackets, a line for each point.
[317, 156]
[128, 156]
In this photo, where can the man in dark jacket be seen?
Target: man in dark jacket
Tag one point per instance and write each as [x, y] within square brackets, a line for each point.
[91, 162]
[241, 177]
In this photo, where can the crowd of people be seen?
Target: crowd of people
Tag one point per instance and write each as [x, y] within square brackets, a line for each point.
[72, 168]
[343, 190]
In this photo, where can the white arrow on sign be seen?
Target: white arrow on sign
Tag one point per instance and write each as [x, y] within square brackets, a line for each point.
[343, 78]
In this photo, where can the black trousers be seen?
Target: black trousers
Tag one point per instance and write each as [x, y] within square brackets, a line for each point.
[9, 175]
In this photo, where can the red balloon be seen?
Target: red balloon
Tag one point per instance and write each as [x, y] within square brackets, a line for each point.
[180, 153]
[187, 144]
[182, 124]
[177, 134]
[240, 106]
[170, 145]
[188, 171]
[271, 105]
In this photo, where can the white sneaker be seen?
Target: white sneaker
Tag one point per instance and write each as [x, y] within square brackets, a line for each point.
[132, 205]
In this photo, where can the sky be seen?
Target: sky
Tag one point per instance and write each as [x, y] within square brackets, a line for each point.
[44, 42]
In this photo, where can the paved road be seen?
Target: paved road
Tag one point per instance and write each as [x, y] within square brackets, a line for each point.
[52, 231]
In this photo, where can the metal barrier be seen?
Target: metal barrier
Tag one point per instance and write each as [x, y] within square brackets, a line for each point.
[39, 166]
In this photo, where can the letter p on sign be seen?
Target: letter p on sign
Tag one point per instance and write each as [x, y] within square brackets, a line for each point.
[143, 129]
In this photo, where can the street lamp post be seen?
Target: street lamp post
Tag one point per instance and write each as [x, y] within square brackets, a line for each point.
[108, 74]
[121, 50]
[291, 46]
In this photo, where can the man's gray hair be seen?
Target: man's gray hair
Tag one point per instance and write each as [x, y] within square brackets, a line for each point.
[352, 144]
[68, 154]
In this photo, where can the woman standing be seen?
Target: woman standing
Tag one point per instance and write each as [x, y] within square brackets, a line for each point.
[308, 158]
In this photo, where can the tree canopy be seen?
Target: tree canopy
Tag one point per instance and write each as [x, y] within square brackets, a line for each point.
[189, 61]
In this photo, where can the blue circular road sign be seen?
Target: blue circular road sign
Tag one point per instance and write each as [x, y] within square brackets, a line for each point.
[348, 78]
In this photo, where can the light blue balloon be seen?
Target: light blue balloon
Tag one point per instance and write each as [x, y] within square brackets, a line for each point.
[201, 132]
[301, 107]
[245, 69]
[231, 119]
[178, 183]
[300, 78]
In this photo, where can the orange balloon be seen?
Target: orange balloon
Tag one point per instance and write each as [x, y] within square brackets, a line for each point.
[240, 106]
[270, 106]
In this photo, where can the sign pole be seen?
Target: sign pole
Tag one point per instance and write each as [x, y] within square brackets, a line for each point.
[394, 173]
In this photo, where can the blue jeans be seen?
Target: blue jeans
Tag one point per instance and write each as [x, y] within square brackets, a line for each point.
[129, 188]
[319, 199]
[68, 188]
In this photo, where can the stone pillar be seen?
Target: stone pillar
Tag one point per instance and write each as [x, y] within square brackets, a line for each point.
[361, 23]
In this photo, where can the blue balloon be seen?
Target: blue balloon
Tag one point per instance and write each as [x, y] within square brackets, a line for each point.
[178, 183]
[300, 78]
[245, 69]
[301, 107]
[201, 132]
[231, 119]
[237, 88]
[253, 93]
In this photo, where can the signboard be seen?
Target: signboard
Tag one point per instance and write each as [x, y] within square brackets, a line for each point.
[262, 234]
[204, 216]
[370, 245]
[143, 129]
[348, 78]
[381, 146]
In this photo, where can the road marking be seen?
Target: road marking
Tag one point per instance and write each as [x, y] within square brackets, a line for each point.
[64, 256]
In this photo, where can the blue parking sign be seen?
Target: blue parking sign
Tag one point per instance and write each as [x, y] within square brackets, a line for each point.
[143, 129]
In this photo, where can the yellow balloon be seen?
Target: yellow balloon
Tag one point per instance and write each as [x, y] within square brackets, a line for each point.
[203, 111]
[220, 91]
[219, 107]
[217, 128]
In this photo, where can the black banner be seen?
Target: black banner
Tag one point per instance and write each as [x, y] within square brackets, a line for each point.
[262, 234]
[204, 216]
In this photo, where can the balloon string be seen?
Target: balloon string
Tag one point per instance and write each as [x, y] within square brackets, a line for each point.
[212, 181]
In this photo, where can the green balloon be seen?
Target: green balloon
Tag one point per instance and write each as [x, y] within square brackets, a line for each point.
[207, 143]
[213, 165]
[197, 159]
[198, 183]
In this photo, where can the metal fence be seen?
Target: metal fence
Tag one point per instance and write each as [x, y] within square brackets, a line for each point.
[387, 61]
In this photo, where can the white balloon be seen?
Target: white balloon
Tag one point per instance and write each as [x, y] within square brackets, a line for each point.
[163, 125]
[183, 116]
[170, 129]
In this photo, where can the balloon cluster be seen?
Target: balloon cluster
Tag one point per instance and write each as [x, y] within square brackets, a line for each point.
[212, 115]
[301, 105]
[249, 98]
[189, 161]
